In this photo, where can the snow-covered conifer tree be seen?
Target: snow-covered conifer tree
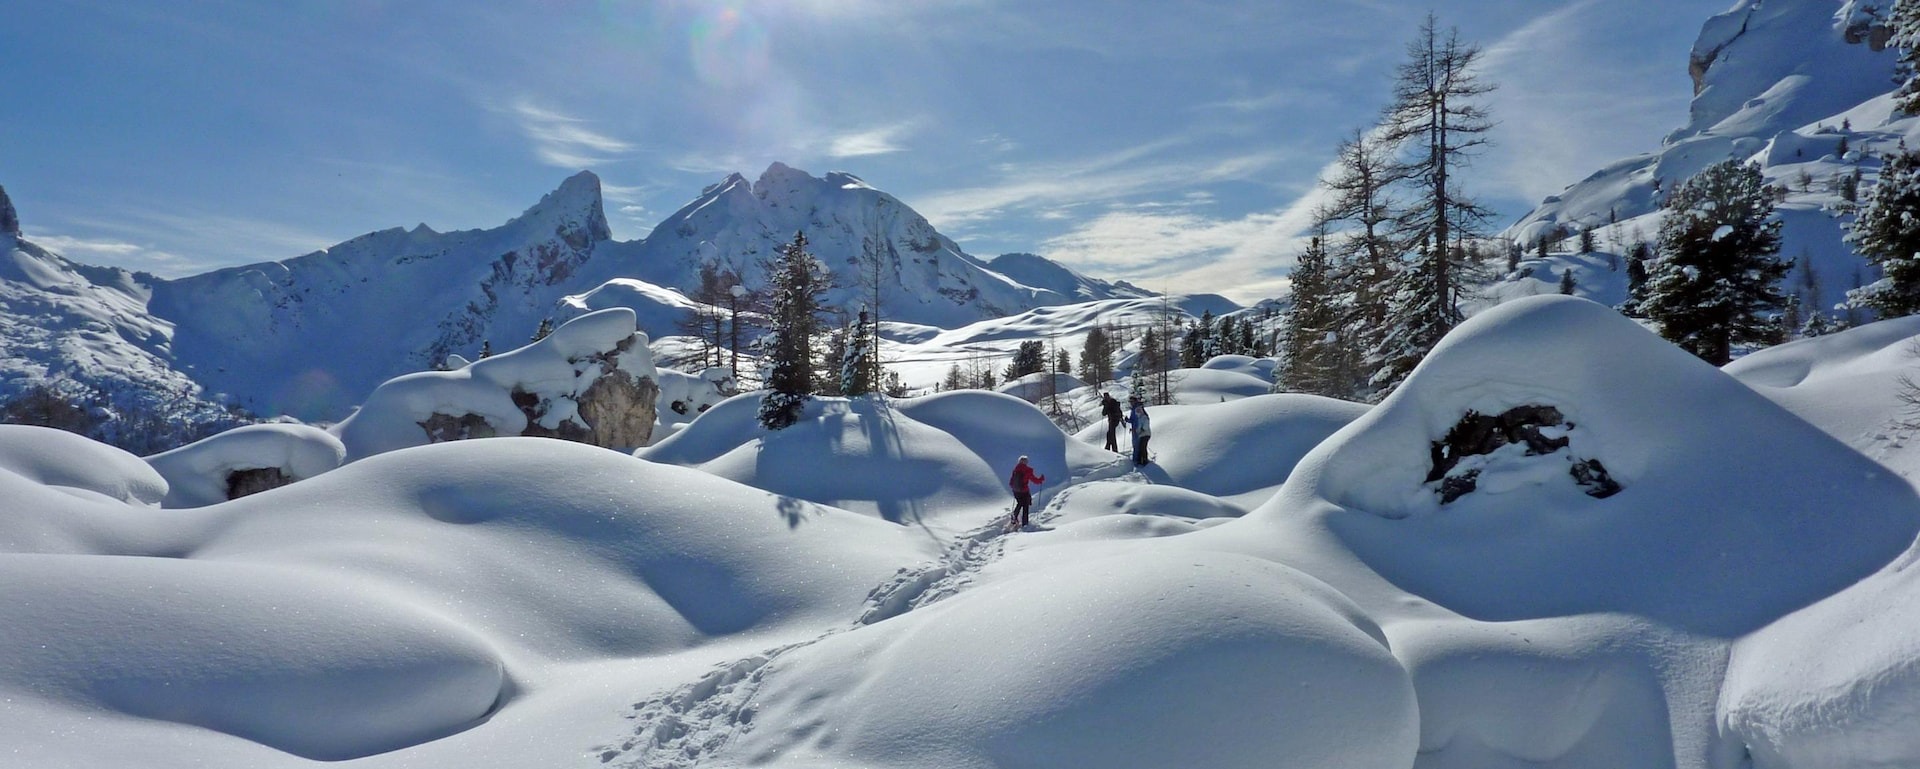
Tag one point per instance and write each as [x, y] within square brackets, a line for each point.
[856, 366]
[796, 281]
[1887, 233]
[1716, 283]
[1311, 341]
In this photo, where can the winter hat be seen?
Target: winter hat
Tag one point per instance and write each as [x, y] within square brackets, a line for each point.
[1023, 459]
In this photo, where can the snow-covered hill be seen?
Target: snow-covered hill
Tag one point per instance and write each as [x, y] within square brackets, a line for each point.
[1288, 579]
[1799, 87]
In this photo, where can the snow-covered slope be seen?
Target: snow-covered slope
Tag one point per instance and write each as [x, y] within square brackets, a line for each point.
[84, 334]
[844, 592]
[312, 335]
[1781, 83]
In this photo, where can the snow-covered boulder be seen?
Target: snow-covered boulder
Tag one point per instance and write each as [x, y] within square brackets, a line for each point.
[683, 397]
[592, 380]
[1721, 491]
[245, 460]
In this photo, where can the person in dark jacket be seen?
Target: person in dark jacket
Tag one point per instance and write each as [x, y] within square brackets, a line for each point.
[1023, 481]
[1142, 429]
[1110, 409]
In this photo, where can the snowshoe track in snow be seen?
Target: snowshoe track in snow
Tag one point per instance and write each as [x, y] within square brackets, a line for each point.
[689, 725]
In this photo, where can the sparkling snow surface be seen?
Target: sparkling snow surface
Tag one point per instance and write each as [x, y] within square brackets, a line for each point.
[1280, 585]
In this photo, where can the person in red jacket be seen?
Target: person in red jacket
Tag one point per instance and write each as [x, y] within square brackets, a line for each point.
[1023, 481]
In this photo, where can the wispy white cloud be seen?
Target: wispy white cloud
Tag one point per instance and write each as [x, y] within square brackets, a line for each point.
[565, 141]
[1572, 99]
[874, 141]
[1182, 251]
[1114, 176]
[117, 253]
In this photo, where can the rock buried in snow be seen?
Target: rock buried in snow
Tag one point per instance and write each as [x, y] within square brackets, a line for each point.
[592, 380]
[1542, 430]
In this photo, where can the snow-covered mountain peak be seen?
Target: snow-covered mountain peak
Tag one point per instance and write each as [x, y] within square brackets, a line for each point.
[847, 181]
[574, 212]
[9, 219]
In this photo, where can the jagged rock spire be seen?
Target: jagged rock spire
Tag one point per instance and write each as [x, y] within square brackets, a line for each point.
[9, 220]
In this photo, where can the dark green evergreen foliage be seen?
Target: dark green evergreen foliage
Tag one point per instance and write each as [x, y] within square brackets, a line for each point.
[1062, 362]
[1096, 358]
[856, 365]
[1198, 346]
[486, 348]
[1905, 22]
[1887, 234]
[545, 329]
[796, 281]
[1586, 241]
[1716, 283]
[1566, 281]
[1031, 358]
[1313, 360]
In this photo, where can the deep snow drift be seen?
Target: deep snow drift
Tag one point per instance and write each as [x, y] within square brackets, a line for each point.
[844, 593]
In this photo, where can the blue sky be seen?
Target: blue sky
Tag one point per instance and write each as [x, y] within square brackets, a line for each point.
[1170, 144]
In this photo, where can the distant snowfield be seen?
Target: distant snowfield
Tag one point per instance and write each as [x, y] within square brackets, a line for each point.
[1282, 586]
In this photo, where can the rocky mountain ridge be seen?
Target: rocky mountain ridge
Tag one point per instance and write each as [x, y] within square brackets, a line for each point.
[312, 335]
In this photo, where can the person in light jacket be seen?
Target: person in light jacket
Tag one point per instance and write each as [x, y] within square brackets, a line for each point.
[1142, 429]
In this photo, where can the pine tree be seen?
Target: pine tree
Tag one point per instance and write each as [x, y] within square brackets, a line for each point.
[1438, 120]
[1031, 358]
[1096, 358]
[1905, 23]
[1062, 362]
[1587, 245]
[1716, 283]
[1364, 257]
[1195, 351]
[796, 282]
[856, 369]
[1566, 281]
[486, 348]
[1636, 279]
[545, 328]
[1312, 361]
[1887, 234]
[956, 379]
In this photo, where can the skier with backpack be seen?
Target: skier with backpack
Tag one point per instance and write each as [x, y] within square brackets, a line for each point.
[1110, 409]
[1022, 483]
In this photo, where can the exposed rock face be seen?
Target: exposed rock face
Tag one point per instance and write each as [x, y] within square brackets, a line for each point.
[620, 410]
[240, 483]
[447, 427]
[1542, 429]
[590, 381]
[9, 219]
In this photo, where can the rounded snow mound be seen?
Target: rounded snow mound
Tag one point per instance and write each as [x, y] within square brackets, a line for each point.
[904, 460]
[311, 666]
[582, 552]
[1240, 447]
[1151, 660]
[1796, 703]
[1551, 457]
[1241, 364]
[76, 465]
[202, 473]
